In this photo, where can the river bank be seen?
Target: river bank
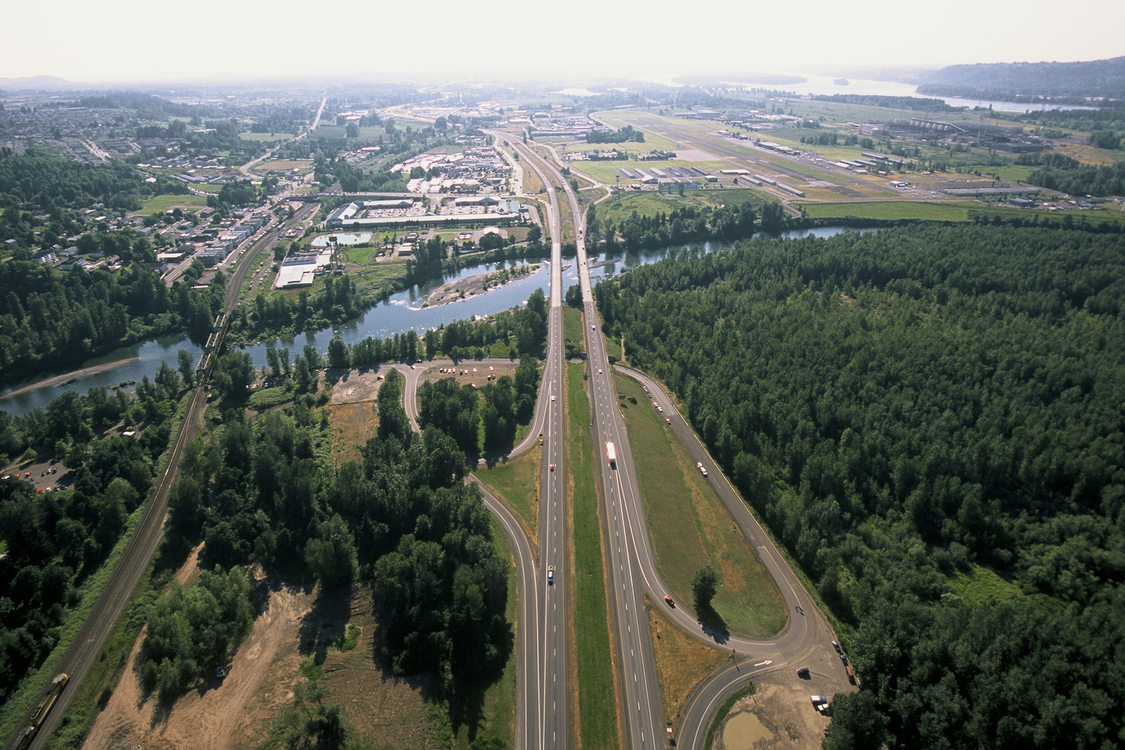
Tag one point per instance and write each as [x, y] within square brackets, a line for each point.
[68, 377]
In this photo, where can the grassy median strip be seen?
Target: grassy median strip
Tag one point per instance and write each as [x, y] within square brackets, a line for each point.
[690, 528]
[597, 716]
[572, 330]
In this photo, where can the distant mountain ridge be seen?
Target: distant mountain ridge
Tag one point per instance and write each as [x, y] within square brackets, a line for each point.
[1068, 82]
[40, 83]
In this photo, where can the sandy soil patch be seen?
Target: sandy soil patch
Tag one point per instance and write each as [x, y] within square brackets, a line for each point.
[233, 712]
[780, 715]
[358, 385]
[777, 716]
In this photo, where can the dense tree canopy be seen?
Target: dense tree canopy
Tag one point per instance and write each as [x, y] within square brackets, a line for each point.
[931, 420]
[44, 179]
[192, 632]
[56, 540]
[264, 492]
[51, 318]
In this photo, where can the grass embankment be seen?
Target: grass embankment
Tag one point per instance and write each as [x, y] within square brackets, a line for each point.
[517, 483]
[681, 662]
[103, 676]
[597, 716]
[690, 528]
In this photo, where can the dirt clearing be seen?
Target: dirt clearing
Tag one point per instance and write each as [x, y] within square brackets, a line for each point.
[781, 715]
[776, 716]
[233, 712]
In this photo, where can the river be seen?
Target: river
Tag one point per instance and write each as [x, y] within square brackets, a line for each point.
[402, 312]
[817, 85]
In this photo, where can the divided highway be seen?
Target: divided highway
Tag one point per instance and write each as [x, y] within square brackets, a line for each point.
[632, 569]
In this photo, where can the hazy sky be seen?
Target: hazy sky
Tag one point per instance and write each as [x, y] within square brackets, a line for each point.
[148, 40]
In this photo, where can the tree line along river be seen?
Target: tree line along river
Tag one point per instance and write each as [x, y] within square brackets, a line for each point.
[400, 313]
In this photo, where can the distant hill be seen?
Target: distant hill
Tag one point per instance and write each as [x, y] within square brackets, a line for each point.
[1065, 82]
[40, 83]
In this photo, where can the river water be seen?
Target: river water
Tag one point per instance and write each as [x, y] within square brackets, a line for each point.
[402, 312]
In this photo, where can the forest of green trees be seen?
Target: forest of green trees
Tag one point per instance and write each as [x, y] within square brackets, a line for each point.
[50, 319]
[627, 133]
[687, 224]
[401, 520]
[931, 420]
[56, 540]
[459, 410]
[44, 180]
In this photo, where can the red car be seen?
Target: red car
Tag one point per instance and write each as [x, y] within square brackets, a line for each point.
[669, 600]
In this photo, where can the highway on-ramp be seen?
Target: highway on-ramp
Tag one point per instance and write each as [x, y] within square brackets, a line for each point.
[543, 713]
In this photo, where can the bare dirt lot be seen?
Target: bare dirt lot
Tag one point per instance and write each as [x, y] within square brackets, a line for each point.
[356, 386]
[237, 711]
[776, 716]
[470, 372]
[780, 715]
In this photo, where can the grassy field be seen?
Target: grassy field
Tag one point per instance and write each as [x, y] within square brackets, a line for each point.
[983, 586]
[608, 171]
[304, 165]
[1093, 217]
[890, 210]
[265, 137]
[689, 526]
[620, 206]
[158, 204]
[531, 182]
[597, 714]
[378, 277]
[352, 426]
[517, 482]
[361, 255]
